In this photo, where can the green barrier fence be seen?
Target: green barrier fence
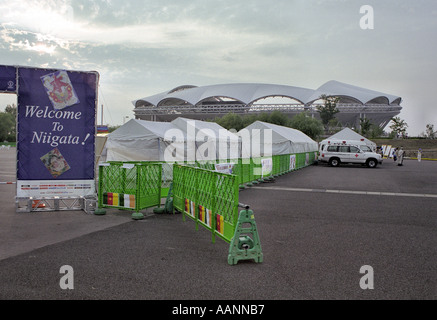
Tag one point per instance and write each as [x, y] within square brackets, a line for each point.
[131, 186]
[166, 173]
[143, 180]
[209, 198]
[250, 170]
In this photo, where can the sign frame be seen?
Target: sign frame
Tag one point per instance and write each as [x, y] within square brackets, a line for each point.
[77, 190]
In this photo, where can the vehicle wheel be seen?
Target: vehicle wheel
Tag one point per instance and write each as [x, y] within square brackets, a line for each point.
[371, 163]
[334, 162]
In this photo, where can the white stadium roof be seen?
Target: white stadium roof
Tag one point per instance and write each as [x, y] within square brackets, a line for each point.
[364, 96]
[248, 93]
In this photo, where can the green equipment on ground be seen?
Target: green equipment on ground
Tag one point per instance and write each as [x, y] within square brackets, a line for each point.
[168, 207]
[245, 245]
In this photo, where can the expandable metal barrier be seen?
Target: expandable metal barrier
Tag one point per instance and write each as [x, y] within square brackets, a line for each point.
[210, 198]
[196, 190]
[129, 186]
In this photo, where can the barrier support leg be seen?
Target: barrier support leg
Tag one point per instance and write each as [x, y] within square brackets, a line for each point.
[245, 244]
[137, 215]
[99, 212]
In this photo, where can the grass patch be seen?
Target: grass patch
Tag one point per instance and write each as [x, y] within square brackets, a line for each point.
[11, 144]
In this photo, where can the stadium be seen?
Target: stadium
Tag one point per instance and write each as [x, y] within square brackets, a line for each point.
[209, 102]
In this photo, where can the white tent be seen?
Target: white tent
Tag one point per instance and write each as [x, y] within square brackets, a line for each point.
[212, 141]
[180, 140]
[349, 135]
[140, 140]
[273, 139]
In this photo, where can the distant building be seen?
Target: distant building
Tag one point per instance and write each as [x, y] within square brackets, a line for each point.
[208, 102]
[102, 129]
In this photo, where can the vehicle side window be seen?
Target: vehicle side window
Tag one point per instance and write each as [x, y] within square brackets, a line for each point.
[332, 149]
[343, 149]
[354, 150]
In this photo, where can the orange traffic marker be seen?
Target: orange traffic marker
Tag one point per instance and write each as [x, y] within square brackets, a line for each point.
[37, 204]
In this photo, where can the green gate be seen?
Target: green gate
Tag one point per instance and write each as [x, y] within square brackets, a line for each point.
[130, 186]
[208, 197]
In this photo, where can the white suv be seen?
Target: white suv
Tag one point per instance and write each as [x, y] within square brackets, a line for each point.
[347, 153]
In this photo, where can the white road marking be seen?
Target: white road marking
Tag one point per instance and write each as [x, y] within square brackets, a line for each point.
[373, 193]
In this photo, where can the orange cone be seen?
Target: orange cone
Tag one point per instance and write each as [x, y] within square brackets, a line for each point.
[37, 204]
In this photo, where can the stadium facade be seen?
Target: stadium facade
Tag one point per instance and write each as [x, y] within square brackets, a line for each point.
[208, 102]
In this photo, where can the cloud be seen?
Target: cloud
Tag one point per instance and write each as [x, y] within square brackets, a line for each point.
[144, 47]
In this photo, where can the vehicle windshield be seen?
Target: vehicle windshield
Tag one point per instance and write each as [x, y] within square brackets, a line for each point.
[366, 149]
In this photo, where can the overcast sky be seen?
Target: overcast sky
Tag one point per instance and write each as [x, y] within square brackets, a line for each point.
[145, 47]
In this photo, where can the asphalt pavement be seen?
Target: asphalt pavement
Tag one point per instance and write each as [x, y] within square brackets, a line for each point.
[318, 227]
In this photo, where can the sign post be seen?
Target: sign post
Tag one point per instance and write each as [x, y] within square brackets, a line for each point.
[56, 129]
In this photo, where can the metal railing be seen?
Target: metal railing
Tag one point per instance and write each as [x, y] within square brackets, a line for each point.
[256, 108]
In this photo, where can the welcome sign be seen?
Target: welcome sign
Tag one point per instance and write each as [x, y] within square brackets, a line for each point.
[56, 132]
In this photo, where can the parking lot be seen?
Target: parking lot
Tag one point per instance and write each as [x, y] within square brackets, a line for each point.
[318, 226]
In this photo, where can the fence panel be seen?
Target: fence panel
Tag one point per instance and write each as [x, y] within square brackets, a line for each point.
[226, 206]
[205, 197]
[276, 164]
[209, 198]
[245, 163]
[178, 187]
[149, 184]
[132, 186]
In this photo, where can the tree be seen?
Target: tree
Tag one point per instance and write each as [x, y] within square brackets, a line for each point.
[231, 121]
[249, 119]
[430, 134]
[277, 117]
[235, 121]
[399, 127]
[11, 109]
[365, 126]
[113, 128]
[310, 126]
[7, 123]
[375, 131]
[333, 126]
[302, 122]
[328, 110]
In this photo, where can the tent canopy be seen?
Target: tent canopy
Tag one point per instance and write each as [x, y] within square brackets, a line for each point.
[211, 129]
[188, 140]
[283, 140]
[349, 134]
[212, 141]
[136, 129]
[180, 140]
[140, 140]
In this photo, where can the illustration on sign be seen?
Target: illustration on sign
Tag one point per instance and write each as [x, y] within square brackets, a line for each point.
[60, 90]
[55, 162]
[292, 162]
[267, 166]
[224, 167]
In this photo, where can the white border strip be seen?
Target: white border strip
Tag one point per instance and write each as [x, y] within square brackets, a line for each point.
[373, 193]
